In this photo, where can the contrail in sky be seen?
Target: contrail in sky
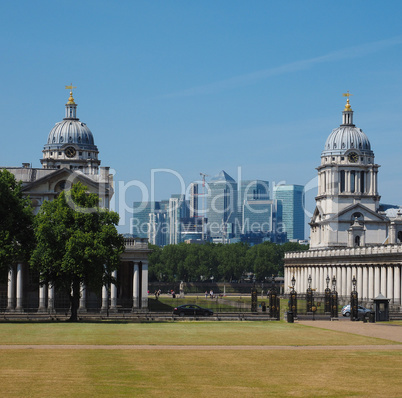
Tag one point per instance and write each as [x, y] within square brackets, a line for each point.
[346, 53]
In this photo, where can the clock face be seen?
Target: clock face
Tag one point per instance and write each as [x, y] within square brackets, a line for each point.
[70, 152]
[353, 157]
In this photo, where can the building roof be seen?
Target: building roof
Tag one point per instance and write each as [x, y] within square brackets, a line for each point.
[222, 177]
[347, 137]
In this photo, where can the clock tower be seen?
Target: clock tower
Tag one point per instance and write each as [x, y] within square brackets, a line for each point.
[347, 204]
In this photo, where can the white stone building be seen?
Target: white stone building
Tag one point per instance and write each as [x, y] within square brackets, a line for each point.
[70, 155]
[350, 234]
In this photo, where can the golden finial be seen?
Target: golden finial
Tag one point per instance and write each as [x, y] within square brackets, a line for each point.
[347, 106]
[71, 99]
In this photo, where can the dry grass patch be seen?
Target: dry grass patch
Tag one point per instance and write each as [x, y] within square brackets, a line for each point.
[181, 333]
[228, 373]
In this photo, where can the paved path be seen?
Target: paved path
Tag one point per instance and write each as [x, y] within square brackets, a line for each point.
[198, 347]
[380, 330]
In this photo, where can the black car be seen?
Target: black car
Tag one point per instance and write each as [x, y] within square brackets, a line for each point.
[191, 309]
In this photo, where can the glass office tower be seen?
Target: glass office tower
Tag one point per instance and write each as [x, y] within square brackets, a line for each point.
[222, 207]
[292, 199]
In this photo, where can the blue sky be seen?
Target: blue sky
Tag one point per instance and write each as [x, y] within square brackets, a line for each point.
[201, 86]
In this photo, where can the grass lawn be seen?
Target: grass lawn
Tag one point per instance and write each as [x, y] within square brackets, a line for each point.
[194, 373]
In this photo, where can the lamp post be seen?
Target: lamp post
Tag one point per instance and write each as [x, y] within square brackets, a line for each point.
[309, 295]
[292, 301]
[334, 299]
[354, 303]
[327, 302]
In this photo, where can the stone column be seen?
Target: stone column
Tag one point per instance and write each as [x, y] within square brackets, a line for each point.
[348, 280]
[113, 294]
[19, 289]
[365, 283]
[11, 290]
[42, 298]
[105, 299]
[377, 281]
[397, 284]
[390, 283]
[83, 298]
[344, 282]
[371, 283]
[50, 299]
[384, 281]
[136, 286]
[359, 277]
[144, 287]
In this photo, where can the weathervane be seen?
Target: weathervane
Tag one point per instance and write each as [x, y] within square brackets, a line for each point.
[70, 87]
[71, 99]
[347, 106]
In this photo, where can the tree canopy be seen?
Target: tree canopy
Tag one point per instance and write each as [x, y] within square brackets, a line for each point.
[16, 218]
[76, 242]
[196, 263]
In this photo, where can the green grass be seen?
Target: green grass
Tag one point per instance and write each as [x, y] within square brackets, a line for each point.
[194, 373]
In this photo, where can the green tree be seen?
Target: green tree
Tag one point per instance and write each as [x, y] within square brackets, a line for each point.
[16, 219]
[76, 242]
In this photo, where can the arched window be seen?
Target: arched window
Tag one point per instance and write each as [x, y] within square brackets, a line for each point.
[357, 241]
[400, 237]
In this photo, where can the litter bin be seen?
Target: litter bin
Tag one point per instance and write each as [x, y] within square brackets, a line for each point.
[290, 317]
[372, 317]
[263, 307]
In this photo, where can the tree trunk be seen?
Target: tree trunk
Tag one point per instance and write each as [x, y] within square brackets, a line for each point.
[75, 301]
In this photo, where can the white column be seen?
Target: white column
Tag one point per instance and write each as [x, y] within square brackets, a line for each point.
[105, 299]
[397, 284]
[348, 280]
[365, 283]
[344, 281]
[371, 283]
[383, 290]
[50, 299]
[19, 288]
[377, 280]
[83, 298]
[11, 290]
[113, 294]
[42, 298]
[136, 286]
[144, 286]
[359, 278]
[390, 284]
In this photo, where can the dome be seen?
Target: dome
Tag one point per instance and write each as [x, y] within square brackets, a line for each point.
[347, 136]
[71, 131]
[344, 138]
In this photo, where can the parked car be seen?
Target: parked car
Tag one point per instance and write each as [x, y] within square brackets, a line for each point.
[361, 311]
[192, 309]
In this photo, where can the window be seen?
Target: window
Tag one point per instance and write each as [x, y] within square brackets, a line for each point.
[357, 241]
[362, 181]
[352, 181]
[342, 179]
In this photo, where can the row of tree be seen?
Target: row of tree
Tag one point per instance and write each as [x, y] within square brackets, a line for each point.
[70, 241]
[218, 262]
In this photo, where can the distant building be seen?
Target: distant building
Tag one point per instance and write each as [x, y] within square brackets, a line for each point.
[222, 207]
[292, 199]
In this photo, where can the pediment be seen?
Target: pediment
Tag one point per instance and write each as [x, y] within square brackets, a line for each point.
[347, 214]
[49, 180]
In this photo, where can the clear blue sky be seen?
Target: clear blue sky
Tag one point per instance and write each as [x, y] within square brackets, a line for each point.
[201, 86]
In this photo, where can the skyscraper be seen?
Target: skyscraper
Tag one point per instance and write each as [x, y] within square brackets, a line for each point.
[292, 198]
[222, 206]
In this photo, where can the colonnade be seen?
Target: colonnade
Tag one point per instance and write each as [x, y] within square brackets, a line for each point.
[371, 280]
[16, 292]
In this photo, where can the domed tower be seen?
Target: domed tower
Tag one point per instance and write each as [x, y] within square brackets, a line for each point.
[348, 199]
[71, 144]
